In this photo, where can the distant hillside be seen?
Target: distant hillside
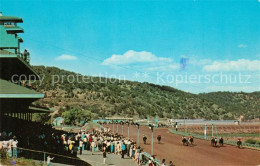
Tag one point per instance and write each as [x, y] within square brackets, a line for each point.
[134, 99]
[239, 103]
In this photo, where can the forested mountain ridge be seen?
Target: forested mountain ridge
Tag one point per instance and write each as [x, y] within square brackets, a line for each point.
[101, 98]
[238, 103]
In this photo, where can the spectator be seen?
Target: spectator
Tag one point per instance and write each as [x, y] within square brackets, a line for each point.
[70, 147]
[49, 160]
[150, 163]
[123, 149]
[104, 156]
[93, 145]
[14, 145]
[75, 149]
[171, 163]
[80, 146]
[163, 162]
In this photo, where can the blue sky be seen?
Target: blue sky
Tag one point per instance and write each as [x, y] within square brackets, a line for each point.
[146, 40]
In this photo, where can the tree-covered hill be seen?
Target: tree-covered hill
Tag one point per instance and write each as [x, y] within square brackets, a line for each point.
[101, 98]
[239, 103]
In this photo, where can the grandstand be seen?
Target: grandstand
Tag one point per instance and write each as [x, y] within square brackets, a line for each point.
[17, 96]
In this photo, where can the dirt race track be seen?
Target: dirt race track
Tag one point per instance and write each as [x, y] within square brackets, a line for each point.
[201, 154]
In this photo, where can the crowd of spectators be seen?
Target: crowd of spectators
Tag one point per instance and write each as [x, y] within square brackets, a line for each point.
[8, 146]
[30, 139]
[103, 140]
[37, 136]
[33, 135]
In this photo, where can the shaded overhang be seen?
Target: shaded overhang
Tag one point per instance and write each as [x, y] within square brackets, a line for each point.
[14, 29]
[22, 107]
[37, 96]
[37, 109]
[11, 19]
[11, 90]
[15, 105]
[12, 66]
[15, 98]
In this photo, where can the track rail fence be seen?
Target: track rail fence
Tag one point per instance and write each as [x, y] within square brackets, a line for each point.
[256, 146]
[41, 157]
[147, 157]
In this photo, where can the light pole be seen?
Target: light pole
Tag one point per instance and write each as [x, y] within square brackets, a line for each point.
[151, 128]
[137, 125]
[205, 131]
[113, 122]
[127, 129]
[122, 126]
[212, 130]
[116, 127]
[185, 125]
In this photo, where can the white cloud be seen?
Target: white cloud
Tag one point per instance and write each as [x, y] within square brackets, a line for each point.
[242, 46]
[131, 57]
[196, 60]
[66, 57]
[199, 62]
[238, 65]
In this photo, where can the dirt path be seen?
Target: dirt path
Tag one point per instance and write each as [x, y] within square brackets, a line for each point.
[202, 154]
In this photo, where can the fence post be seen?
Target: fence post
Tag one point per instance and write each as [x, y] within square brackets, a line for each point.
[113, 127]
[44, 156]
[212, 130]
[152, 143]
[185, 125]
[216, 130]
[138, 136]
[205, 132]
[128, 131]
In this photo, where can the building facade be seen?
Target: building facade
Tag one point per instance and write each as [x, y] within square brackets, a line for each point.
[16, 95]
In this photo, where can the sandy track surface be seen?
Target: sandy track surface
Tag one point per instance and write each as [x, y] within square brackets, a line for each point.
[201, 154]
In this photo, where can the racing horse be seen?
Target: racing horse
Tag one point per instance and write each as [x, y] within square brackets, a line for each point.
[185, 141]
[214, 141]
[191, 140]
[144, 139]
[159, 137]
[239, 143]
[221, 141]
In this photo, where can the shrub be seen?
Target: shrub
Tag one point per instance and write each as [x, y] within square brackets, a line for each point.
[3, 154]
[251, 141]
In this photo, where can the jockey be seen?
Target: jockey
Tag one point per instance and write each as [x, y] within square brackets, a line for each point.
[159, 138]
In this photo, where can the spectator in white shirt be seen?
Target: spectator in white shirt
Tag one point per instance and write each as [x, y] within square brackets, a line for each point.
[80, 146]
[49, 160]
[14, 144]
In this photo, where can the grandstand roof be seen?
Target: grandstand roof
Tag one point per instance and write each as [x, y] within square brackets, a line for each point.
[11, 18]
[11, 90]
[5, 52]
[14, 29]
[13, 64]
